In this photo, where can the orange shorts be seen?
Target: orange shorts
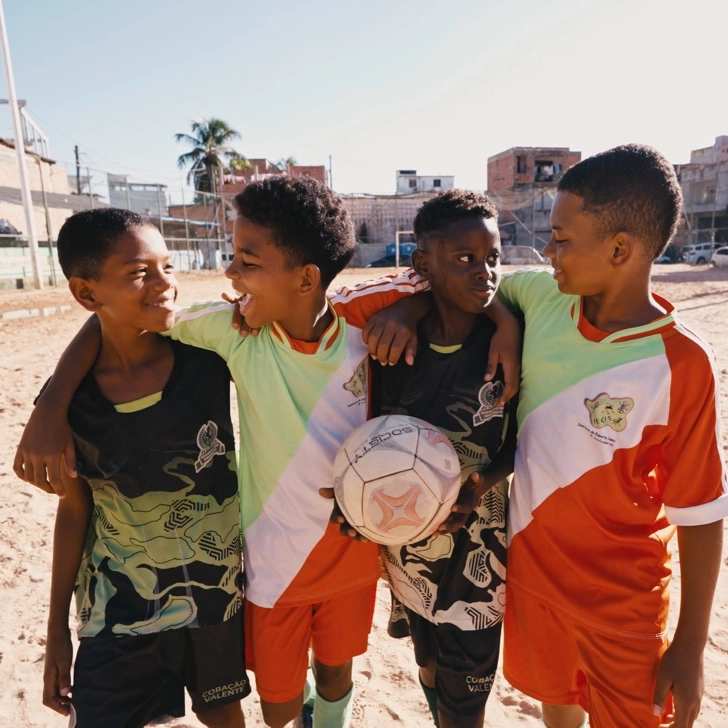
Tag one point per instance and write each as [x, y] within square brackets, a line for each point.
[562, 661]
[277, 640]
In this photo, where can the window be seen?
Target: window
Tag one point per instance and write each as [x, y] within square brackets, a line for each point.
[545, 171]
[413, 184]
[521, 165]
[706, 192]
[436, 183]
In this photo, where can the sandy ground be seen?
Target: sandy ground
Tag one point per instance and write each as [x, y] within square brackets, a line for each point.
[387, 691]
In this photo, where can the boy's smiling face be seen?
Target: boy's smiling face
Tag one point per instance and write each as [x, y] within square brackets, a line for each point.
[581, 257]
[261, 272]
[463, 263]
[137, 287]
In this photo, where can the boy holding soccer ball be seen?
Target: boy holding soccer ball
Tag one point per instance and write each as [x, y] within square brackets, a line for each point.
[452, 584]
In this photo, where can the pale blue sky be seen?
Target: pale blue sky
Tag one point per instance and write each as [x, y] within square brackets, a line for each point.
[379, 85]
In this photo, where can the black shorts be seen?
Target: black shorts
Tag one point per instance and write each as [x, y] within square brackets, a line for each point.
[125, 682]
[466, 662]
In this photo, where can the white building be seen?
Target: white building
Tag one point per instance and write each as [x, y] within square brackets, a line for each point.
[408, 181]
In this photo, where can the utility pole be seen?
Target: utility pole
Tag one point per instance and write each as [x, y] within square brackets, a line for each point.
[90, 191]
[20, 150]
[331, 175]
[78, 170]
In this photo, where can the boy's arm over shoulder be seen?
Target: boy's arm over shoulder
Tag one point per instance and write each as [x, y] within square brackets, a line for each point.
[72, 522]
[357, 303]
[207, 325]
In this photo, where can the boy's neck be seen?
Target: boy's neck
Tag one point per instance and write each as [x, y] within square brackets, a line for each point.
[625, 309]
[132, 364]
[311, 321]
[446, 326]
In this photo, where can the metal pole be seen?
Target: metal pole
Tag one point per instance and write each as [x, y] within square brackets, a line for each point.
[20, 150]
[49, 228]
[90, 193]
[126, 185]
[78, 170]
[187, 226]
[159, 206]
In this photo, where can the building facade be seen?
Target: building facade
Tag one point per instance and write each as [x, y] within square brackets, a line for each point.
[377, 221]
[704, 182]
[144, 198]
[522, 183]
[409, 182]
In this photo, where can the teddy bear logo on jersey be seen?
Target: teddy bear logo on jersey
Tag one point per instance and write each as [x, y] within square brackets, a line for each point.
[606, 411]
[358, 380]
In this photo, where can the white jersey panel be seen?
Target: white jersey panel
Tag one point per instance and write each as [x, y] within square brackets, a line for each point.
[295, 513]
[543, 466]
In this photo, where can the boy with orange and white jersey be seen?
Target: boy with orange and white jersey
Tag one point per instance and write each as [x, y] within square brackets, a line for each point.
[619, 446]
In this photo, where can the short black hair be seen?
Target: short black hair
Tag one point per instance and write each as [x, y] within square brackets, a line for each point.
[630, 188]
[86, 239]
[309, 221]
[438, 213]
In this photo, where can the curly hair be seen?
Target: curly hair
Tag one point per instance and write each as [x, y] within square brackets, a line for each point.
[87, 239]
[309, 221]
[630, 188]
[438, 213]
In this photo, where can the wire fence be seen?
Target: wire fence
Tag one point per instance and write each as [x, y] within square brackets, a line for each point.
[17, 270]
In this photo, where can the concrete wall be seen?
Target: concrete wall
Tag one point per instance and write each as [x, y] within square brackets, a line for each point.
[54, 178]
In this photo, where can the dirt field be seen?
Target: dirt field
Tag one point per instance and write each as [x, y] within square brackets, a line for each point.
[388, 694]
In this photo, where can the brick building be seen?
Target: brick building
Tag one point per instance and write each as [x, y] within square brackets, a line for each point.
[235, 180]
[522, 183]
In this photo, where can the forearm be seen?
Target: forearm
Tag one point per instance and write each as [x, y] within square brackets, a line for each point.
[700, 549]
[500, 314]
[69, 538]
[73, 365]
[501, 466]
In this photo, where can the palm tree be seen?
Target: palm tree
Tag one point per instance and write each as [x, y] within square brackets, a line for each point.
[210, 153]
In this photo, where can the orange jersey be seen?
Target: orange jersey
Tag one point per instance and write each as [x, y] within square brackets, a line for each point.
[618, 443]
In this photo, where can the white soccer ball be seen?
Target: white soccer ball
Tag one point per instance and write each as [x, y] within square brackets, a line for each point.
[396, 478]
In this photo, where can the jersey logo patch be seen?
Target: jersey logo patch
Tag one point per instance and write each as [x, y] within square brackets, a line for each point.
[606, 411]
[358, 380]
[489, 396]
[209, 445]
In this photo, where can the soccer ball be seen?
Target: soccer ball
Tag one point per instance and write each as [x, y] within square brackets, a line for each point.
[395, 479]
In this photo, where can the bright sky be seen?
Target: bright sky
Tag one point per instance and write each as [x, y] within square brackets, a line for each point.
[380, 85]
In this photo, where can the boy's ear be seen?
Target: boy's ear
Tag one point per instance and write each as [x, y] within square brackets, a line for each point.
[420, 262]
[83, 291]
[310, 278]
[624, 248]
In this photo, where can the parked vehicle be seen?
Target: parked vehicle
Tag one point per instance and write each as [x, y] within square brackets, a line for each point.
[720, 257]
[664, 259]
[699, 253]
